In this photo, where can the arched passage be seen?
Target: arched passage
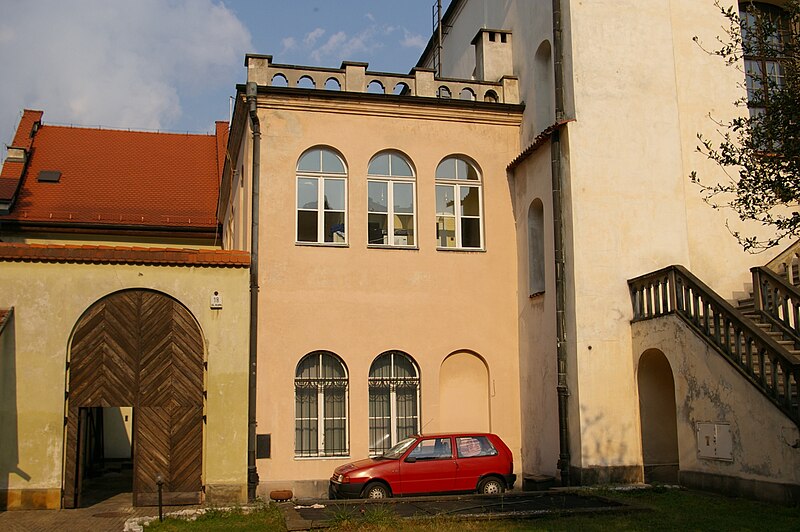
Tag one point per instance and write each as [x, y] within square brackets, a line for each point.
[144, 350]
[464, 394]
[658, 418]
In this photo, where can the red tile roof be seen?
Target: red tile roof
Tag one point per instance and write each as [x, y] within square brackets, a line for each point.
[5, 315]
[116, 177]
[13, 252]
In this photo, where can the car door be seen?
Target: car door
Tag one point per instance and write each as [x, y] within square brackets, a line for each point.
[475, 457]
[428, 467]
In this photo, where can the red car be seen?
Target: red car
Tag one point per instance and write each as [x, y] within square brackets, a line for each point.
[431, 463]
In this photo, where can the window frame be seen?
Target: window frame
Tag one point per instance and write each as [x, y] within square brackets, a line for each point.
[758, 80]
[322, 384]
[321, 177]
[390, 180]
[458, 184]
[392, 383]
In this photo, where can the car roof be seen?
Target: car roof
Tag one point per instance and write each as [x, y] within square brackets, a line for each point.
[442, 434]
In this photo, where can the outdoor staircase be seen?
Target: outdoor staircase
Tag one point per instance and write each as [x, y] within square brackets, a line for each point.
[760, 336]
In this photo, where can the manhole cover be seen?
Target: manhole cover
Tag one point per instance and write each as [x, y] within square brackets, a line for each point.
[111, 514]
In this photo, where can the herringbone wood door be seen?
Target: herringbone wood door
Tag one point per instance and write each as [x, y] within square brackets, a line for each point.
[142, 349]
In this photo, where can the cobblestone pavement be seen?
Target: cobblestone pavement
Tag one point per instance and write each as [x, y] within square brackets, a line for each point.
[108, 515]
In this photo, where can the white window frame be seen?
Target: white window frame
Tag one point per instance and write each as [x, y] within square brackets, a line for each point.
[390, 180]
[320, 412]
[321, 178]
[393, 395]
[456, 185]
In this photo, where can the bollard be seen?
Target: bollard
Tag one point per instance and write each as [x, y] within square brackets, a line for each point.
[160, 482]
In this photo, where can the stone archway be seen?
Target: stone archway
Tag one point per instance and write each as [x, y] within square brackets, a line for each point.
[141, 349]
[657, 413]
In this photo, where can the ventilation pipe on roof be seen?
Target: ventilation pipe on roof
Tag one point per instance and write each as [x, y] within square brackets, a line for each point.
[252, 471]
[558, 230]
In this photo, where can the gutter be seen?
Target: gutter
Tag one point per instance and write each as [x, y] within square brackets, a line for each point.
[557, 172]
[252, 471]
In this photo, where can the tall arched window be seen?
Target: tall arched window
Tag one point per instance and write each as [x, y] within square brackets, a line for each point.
[321, 197]
[320, 419]
[459, 222]
[763, 29]
[536, 247]
[393, 400]
[390, 201]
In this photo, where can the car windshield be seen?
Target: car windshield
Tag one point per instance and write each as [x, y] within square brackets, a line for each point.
[397, 451]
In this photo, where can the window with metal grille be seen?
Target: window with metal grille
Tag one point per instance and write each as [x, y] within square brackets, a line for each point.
[393, 400]
[321, 407]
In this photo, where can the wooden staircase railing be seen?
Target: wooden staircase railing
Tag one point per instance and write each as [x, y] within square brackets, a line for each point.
[756, 355]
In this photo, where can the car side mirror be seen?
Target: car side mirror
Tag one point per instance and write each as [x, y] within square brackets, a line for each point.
[411, 460]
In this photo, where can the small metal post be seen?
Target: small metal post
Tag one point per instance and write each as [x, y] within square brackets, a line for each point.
[160, 482]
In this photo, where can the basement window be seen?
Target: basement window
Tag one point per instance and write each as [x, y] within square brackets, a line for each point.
[49, 176]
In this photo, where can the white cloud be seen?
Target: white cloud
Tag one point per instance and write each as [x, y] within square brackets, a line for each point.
[370, 17]
[288, 43]
[311, 38]
[340, 46]
[413, 40]
[115, 62]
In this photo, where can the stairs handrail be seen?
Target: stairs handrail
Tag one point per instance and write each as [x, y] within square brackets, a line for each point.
[778, 300]
[675, 290]
[782, 263]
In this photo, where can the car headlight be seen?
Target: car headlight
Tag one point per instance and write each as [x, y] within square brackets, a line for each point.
[341, 477]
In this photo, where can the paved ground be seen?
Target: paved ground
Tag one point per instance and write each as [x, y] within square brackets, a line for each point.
[108, 515]
[109, 503]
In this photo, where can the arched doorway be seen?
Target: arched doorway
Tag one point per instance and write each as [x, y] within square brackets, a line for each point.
[141, 350]
[658, 418]
[464, 394]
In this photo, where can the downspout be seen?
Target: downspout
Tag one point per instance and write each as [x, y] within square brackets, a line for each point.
[252, 472]
[558, 239]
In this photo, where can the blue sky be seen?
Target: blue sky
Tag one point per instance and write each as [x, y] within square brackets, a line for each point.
[171, 65]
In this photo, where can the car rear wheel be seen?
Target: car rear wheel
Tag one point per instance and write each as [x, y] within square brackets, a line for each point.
[376, 490]
[491, 486]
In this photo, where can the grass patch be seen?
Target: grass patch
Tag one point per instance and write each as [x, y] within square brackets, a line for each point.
[376, 517]
[666, 510]
[262, 518]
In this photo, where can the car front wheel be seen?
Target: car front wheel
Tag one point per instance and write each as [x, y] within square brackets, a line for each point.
[376, 490]
[491, 486]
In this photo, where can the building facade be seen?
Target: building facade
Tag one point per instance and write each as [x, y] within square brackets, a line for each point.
[505, 239]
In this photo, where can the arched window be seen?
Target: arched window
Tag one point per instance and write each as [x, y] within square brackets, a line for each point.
[764, 26]
[393, 400]
[320, 393]
[321, 197]
[391, 201]
[536, 247]
[459, 222]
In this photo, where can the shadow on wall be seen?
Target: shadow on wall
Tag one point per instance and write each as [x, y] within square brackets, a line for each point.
[9, 438]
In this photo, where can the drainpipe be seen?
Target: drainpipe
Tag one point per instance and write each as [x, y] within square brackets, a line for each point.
[558, 230]
[252, 472]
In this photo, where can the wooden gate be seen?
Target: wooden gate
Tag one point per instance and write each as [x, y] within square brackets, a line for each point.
[143, 349]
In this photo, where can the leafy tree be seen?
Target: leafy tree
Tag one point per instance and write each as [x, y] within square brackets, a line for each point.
[760, 151]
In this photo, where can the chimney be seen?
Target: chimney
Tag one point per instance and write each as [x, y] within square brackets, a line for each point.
[493, 57]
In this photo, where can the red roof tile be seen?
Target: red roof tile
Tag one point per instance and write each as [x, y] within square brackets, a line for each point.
[13, 252]
[5, 316]
[117, 177]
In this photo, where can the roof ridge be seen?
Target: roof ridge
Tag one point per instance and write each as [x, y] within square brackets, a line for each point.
[110, 254]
